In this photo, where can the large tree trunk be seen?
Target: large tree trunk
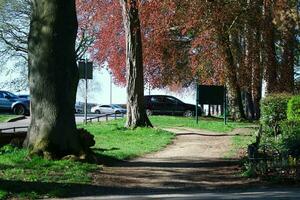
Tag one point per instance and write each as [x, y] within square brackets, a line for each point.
[136, 113]
[234, 90]
[286, 80]
[270, 62]
[53, 79]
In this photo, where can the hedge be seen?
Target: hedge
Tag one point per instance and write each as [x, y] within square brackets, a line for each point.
[293, 110]
[273, 111]
[289, 140]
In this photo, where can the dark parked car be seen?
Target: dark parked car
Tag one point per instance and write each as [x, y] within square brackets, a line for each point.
[12, 103]
[168, 105]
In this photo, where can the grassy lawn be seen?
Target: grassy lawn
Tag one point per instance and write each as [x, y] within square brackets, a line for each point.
[5, 118]
[212, 124]
[117, 142]
[30, 178]
[240, 143]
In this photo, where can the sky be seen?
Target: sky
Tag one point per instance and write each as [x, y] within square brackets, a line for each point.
[99, 89]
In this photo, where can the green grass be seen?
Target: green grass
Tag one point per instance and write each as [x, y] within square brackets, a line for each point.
[120, 143]
[240, 142]
[22, 177]
[5, 118]
[17, 170]
[3, 194]
[211, 124]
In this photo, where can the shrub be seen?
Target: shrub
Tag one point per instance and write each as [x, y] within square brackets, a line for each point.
[293, 110]
[289, 141]
[273, 111]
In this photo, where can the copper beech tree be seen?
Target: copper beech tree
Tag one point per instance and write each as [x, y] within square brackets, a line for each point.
[240, 44]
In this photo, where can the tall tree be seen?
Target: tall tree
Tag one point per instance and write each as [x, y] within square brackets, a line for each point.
[287, 25]
[271, 65]
[136, 113]
[53, 79]
[14, 30]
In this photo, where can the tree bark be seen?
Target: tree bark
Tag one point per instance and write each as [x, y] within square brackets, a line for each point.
[53, 79]
[136, 113]
[256, 82]
[271, 65]
[255, 50]
[286, 80]
[233, 88]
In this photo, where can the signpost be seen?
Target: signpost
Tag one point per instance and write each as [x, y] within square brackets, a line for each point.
[85, 69]
[212, 95]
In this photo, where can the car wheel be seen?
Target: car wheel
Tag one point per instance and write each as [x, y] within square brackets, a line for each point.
[188, 113]
[118, 112]
[97, 112]
[19, 110]
[149, 112]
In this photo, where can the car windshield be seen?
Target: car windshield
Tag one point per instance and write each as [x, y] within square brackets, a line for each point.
[11, 95]
[115, 106]
[172, 100]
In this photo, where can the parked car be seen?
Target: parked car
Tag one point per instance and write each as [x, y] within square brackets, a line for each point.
[10, 102]
[24, 96]
[168, 105]
[108, 109]
[78, 108]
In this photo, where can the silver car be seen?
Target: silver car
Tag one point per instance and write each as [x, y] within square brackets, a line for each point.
[108, 109]
[12, 103]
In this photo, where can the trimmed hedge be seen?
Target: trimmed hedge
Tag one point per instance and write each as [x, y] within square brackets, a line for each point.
[293, 110]
[273, 111]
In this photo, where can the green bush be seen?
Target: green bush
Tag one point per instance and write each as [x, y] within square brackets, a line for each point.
[273, 111]
[293, 110]
[289, 140]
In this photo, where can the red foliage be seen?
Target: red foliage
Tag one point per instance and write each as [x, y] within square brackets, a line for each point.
[178, 40]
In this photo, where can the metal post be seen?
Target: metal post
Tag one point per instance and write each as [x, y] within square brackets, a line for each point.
[197, 102]
[225, 105]
[110, 87]
[86, 92]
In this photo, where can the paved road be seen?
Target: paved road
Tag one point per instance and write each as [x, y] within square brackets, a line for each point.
[25, 122]
[253, 194]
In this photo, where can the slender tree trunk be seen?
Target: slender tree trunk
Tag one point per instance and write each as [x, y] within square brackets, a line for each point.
[255, 50]
[256, 82]
[53, 79]
[136, 113]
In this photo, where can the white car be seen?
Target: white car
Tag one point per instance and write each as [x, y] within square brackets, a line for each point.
[108, 109]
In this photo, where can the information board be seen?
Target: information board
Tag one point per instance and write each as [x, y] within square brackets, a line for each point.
[211, 94]
[85, 70]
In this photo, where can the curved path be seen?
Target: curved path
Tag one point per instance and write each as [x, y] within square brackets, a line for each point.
[193, 167]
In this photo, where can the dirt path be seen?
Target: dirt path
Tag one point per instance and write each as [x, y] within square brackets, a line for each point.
[195, 161]
[193, 167]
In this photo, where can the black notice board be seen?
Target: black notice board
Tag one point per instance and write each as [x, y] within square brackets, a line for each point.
[211, 94]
